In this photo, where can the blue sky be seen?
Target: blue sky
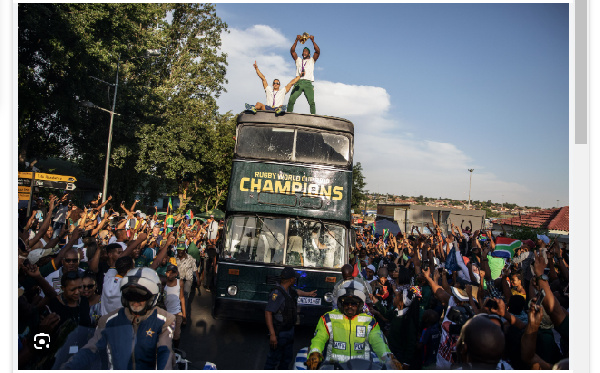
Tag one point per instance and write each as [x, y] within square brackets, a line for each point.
[432, 89]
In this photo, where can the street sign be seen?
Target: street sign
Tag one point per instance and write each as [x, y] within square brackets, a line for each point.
[24, 192]
[71, 186]
[48, 177]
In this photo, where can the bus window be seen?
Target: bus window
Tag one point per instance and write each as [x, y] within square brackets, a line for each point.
[266, 143]
[314, 244]
[327, 148]
[255, 239]
[278, 144]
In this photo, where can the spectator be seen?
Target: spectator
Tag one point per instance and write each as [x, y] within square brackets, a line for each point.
[111, 289]
[89, 291]
[187, 272]
[481, 344]
[138, 335]
[174, 300]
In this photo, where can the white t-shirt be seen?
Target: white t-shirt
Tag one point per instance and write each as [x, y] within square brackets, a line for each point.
[276, 101]
[111, 292]
[308, 66]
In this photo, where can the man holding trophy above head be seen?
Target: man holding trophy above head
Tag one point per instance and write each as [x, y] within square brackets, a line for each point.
[305, 67]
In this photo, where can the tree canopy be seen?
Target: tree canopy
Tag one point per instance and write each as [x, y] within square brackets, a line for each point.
[358, 184]
[168, 136]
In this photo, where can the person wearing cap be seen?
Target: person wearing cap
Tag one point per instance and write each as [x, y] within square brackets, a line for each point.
[174, 300]
[280, 316]
[305, 68]
[275, 95]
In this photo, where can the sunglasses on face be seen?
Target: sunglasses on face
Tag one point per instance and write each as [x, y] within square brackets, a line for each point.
[276, 83]
[71, 260]
[350, 304]
[89, 287]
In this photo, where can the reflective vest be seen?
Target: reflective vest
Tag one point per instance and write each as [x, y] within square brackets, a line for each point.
[348, 338]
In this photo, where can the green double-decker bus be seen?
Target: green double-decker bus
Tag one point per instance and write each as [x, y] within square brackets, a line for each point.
[288, 205]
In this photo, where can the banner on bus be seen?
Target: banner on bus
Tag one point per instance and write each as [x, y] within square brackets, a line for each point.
[287, 189]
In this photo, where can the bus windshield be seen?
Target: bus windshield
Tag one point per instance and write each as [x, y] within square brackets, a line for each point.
[293, 145]
[296, 242]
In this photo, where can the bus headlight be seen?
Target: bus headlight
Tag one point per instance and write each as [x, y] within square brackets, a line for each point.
[328, 297]
[232, 290]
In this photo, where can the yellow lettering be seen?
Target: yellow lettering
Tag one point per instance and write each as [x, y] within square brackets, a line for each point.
[242, 187]
[255, 185]
[268, 187]
[338, 191]
[296, 187]
[313, 189]
[326, 191]
[257, 174]
[285, 188]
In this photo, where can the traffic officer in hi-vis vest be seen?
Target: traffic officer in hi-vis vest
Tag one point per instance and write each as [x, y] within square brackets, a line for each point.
[351, 334]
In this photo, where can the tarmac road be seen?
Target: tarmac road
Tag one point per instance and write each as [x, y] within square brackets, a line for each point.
[231, 345]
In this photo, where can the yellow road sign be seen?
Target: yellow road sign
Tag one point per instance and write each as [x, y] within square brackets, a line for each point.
[23, 196]
[49, 177]
[25, 189]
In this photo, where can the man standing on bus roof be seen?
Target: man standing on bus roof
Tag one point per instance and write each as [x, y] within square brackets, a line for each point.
[305, 68]
[280, 315]
[275, 96]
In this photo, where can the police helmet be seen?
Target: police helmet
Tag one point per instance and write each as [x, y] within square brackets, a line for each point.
[140, 285]
[351, 289]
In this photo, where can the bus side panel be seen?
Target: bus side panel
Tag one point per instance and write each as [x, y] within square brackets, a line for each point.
[254, 282]
[290, 190]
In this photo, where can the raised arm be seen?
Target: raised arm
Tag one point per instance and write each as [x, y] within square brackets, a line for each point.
[438, 291]
[132, 245]
[45, 224]
[260, 75]
[100, 206]
[133, 206]
[293, 49]
[162, 252]
[317, 50]
[291, 84]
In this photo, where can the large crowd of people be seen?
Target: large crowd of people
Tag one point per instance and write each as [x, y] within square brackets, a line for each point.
[441, 300]
[447, 301]
[80, 272]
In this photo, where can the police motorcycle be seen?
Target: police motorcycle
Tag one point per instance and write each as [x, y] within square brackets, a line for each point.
[358, 363]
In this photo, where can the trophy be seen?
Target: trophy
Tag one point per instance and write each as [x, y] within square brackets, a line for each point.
[304, 37]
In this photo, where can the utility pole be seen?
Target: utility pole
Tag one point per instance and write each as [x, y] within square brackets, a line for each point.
[470, 178]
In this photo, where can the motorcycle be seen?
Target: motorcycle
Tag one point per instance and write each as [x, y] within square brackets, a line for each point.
[352, 364]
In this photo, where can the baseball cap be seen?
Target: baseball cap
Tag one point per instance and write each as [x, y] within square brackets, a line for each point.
[172, 268]
[288, 272]
[180, 246]
[544, 238]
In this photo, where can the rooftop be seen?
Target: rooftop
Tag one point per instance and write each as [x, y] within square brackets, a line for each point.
[551, 219]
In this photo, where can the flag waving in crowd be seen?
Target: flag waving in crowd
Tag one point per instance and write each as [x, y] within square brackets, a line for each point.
[505, 247]
[169, 220]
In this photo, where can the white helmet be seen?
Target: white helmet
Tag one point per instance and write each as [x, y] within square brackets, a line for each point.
[138, 285]
[351, 289]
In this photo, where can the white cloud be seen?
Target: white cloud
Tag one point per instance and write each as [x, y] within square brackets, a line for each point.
[395, 157]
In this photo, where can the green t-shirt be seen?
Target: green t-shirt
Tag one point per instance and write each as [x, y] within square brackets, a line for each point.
[193, 251]
[496, 266]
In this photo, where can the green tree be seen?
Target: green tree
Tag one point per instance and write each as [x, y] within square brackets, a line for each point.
[168, 126]
[190, 137]
[358, 184]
